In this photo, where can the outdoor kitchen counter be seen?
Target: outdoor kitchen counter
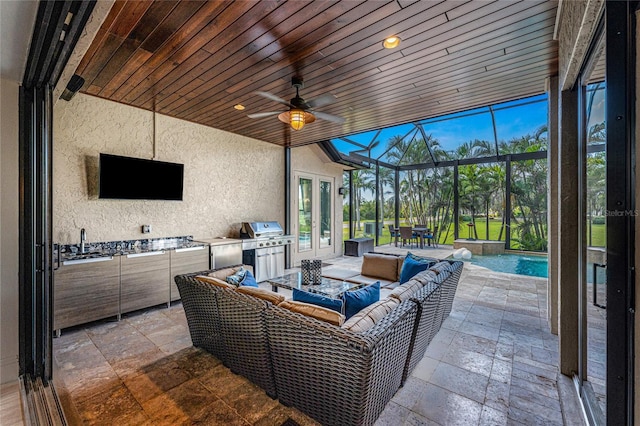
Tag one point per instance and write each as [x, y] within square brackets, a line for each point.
[219, 241]
[112, 278]
[122, 248]
[223, 251]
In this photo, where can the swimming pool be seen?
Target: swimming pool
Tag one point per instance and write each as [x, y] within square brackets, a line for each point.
[527, 264]
[521, 264]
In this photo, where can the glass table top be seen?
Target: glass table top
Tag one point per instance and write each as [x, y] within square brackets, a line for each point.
[328, 287]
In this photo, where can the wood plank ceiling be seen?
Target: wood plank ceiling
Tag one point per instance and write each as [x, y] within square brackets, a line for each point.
[195, 60]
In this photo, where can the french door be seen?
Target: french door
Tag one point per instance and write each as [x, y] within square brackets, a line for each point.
[314, 207]
[608, 210]
[592, 374]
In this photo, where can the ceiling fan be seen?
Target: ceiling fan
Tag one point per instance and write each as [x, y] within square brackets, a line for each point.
[300, 112]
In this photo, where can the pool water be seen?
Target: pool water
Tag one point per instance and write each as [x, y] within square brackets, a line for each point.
[523, 264]
[535, 266]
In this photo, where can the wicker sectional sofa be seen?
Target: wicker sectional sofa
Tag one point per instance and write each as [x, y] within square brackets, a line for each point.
[337, 375]
[375, 267]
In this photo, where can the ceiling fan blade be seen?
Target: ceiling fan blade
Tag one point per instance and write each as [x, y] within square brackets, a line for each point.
[321, 100]
[274, 98]
[329, 117]
[263, 114]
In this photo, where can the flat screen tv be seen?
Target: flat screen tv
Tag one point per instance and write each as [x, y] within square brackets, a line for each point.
[139, 179]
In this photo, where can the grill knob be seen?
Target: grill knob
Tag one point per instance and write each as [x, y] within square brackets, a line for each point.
[260, 245]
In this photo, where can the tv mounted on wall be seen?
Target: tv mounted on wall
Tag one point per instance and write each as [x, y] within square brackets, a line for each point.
[131, 178]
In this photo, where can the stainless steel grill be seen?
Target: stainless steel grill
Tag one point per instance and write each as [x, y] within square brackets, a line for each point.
[263, 248]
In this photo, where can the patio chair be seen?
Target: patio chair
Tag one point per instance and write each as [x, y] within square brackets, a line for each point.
[420, 235]
[406, 233]
[432, 237]
[393, 232]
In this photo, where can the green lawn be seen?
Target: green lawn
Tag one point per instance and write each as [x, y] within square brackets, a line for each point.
[599, 235]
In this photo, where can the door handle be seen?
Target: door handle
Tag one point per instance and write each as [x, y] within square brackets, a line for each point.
[182, 250]
[148, 253]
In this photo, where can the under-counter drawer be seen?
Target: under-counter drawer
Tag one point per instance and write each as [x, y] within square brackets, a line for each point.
[86, 291]
[144, 280]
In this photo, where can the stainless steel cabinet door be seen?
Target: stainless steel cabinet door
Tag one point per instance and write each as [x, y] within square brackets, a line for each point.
[263, 264]
[277, 262]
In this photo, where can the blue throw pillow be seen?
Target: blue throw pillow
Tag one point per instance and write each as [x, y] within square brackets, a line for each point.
[356, 300]
[249, 280]
[412, 265]
[317, 299]
[431, 260]
[236, 278]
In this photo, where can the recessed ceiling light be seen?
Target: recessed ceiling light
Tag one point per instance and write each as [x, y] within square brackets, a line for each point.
[391, 42]
[239, 107]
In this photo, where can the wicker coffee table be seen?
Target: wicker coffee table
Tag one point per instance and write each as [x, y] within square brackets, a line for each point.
[328, 287]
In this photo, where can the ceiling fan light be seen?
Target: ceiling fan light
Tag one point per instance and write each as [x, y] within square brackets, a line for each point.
[297, 119]
[287, 118]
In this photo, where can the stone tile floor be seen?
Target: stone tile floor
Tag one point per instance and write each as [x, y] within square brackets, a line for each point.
[493, 362]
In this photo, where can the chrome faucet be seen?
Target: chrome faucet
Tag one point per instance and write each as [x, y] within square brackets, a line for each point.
[83, 238]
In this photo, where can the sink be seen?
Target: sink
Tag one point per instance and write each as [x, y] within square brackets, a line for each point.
[72, 259]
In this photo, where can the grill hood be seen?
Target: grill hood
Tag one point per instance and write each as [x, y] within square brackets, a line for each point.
[261, 230]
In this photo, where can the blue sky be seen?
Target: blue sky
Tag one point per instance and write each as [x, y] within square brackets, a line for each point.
[513, 119]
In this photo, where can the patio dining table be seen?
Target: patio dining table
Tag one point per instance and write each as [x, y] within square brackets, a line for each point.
[419, 231]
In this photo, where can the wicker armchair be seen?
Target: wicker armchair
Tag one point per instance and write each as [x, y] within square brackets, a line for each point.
[231, 326]
[449, 287]
[406, 233]
[244, 335]
[199, 301]
[336, 376]
[434, 300]
[427, 299]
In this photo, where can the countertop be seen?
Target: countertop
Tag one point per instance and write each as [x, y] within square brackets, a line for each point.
[123, 248]
[219, 241]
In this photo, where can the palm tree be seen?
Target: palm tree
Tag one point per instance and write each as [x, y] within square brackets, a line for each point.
[361, 182]
[470, 188]
[529, 190]
[385, 179]
[409, 151]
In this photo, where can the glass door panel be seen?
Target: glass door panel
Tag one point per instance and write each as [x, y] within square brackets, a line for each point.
[596, 228]
[315, 206]
[326, 218]
[593, 342]
[305, 219]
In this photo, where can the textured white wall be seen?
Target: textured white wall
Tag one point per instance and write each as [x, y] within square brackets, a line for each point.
[8, 231]
[311, 159]
[228, 178]
[576, 26]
